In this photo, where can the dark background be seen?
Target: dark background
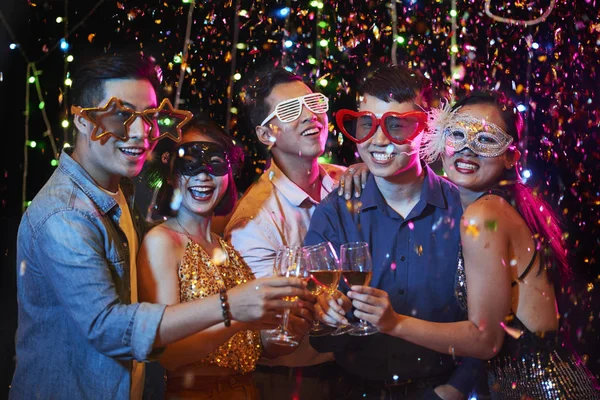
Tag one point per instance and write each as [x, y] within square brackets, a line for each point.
[550, 69]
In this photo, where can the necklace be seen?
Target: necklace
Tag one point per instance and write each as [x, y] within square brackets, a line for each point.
[209, 260]
[188, 234]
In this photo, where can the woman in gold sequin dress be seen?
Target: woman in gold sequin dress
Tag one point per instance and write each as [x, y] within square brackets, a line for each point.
[181, 260]
[508, 235]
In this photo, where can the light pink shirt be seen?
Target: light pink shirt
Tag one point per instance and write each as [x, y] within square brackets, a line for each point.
[273, 213]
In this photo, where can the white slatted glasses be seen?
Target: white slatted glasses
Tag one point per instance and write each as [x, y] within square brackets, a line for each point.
[290, 110]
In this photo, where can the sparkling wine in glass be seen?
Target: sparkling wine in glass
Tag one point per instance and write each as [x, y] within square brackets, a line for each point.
[289, 264]
[357, 269]
[322, 271]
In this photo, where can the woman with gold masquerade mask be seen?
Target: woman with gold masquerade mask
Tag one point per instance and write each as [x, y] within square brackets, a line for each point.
[182, 259]
[511, 245]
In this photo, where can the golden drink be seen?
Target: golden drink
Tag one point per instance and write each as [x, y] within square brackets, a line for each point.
[357, 278]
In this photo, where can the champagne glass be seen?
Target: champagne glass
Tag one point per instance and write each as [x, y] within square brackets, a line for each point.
[322, 271]
[289, 264]
[271, 333]
[357, 269]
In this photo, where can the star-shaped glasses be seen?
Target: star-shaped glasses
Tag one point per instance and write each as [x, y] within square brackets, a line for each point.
[115, 119]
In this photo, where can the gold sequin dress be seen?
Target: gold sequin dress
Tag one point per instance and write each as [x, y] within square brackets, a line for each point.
[201, 275]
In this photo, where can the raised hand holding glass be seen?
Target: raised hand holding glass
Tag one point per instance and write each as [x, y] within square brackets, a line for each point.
[357, 269]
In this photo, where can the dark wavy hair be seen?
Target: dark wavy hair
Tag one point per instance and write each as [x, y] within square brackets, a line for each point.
[537, 213]
[160, 168]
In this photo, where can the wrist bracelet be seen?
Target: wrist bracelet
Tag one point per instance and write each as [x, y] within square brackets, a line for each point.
[225, 307]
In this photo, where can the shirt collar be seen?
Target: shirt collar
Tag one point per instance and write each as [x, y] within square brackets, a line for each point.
[104, 201]
[431, 192]
[291, 191]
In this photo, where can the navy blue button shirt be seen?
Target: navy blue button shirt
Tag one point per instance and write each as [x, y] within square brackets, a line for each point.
[414, 260]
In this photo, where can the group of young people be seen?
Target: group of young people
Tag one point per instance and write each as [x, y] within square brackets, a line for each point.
[463, 268]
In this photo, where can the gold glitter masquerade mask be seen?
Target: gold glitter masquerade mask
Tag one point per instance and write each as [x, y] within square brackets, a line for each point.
[451, 132]
[115, 119]
[480, 136]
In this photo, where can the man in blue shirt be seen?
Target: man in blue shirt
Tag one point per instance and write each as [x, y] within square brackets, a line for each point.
[409, 217]
[80, 325]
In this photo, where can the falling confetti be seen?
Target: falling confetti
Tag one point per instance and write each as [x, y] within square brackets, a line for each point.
[550, 70]
[419, 250]
[219, 257]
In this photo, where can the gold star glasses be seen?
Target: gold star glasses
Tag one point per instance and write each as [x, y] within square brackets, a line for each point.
[115, 119]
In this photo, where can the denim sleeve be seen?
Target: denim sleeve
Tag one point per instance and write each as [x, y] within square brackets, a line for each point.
[467, 375]
[71, 253]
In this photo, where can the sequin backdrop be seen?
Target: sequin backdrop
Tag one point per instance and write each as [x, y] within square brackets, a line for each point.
[550, 70]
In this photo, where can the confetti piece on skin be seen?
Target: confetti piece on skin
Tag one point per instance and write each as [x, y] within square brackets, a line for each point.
[491, 225]
[515, 333]
[472, 230]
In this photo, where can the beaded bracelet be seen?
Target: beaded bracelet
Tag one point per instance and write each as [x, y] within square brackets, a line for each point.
[225, 307]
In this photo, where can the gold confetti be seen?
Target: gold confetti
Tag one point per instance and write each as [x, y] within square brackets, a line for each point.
[472, 230]
[419, 250]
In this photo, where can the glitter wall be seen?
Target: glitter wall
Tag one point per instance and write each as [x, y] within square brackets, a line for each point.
[549, 69]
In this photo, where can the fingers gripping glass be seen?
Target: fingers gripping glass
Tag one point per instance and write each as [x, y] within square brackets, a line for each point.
[290, 110]
[115, 119]
[288, 263]
[192, 158]
[323, 272]
[400, 128]
[357, 269]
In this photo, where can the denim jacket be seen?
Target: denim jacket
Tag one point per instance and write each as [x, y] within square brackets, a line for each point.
[78, 330]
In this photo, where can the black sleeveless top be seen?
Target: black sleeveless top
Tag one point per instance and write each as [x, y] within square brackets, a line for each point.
[517, 334]
[531, 365]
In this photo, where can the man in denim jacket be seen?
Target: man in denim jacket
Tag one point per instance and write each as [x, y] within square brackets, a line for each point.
[80, 326]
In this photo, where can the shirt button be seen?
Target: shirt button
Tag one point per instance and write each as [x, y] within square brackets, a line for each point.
[401, 291]
[124, 244]
[402, 258]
